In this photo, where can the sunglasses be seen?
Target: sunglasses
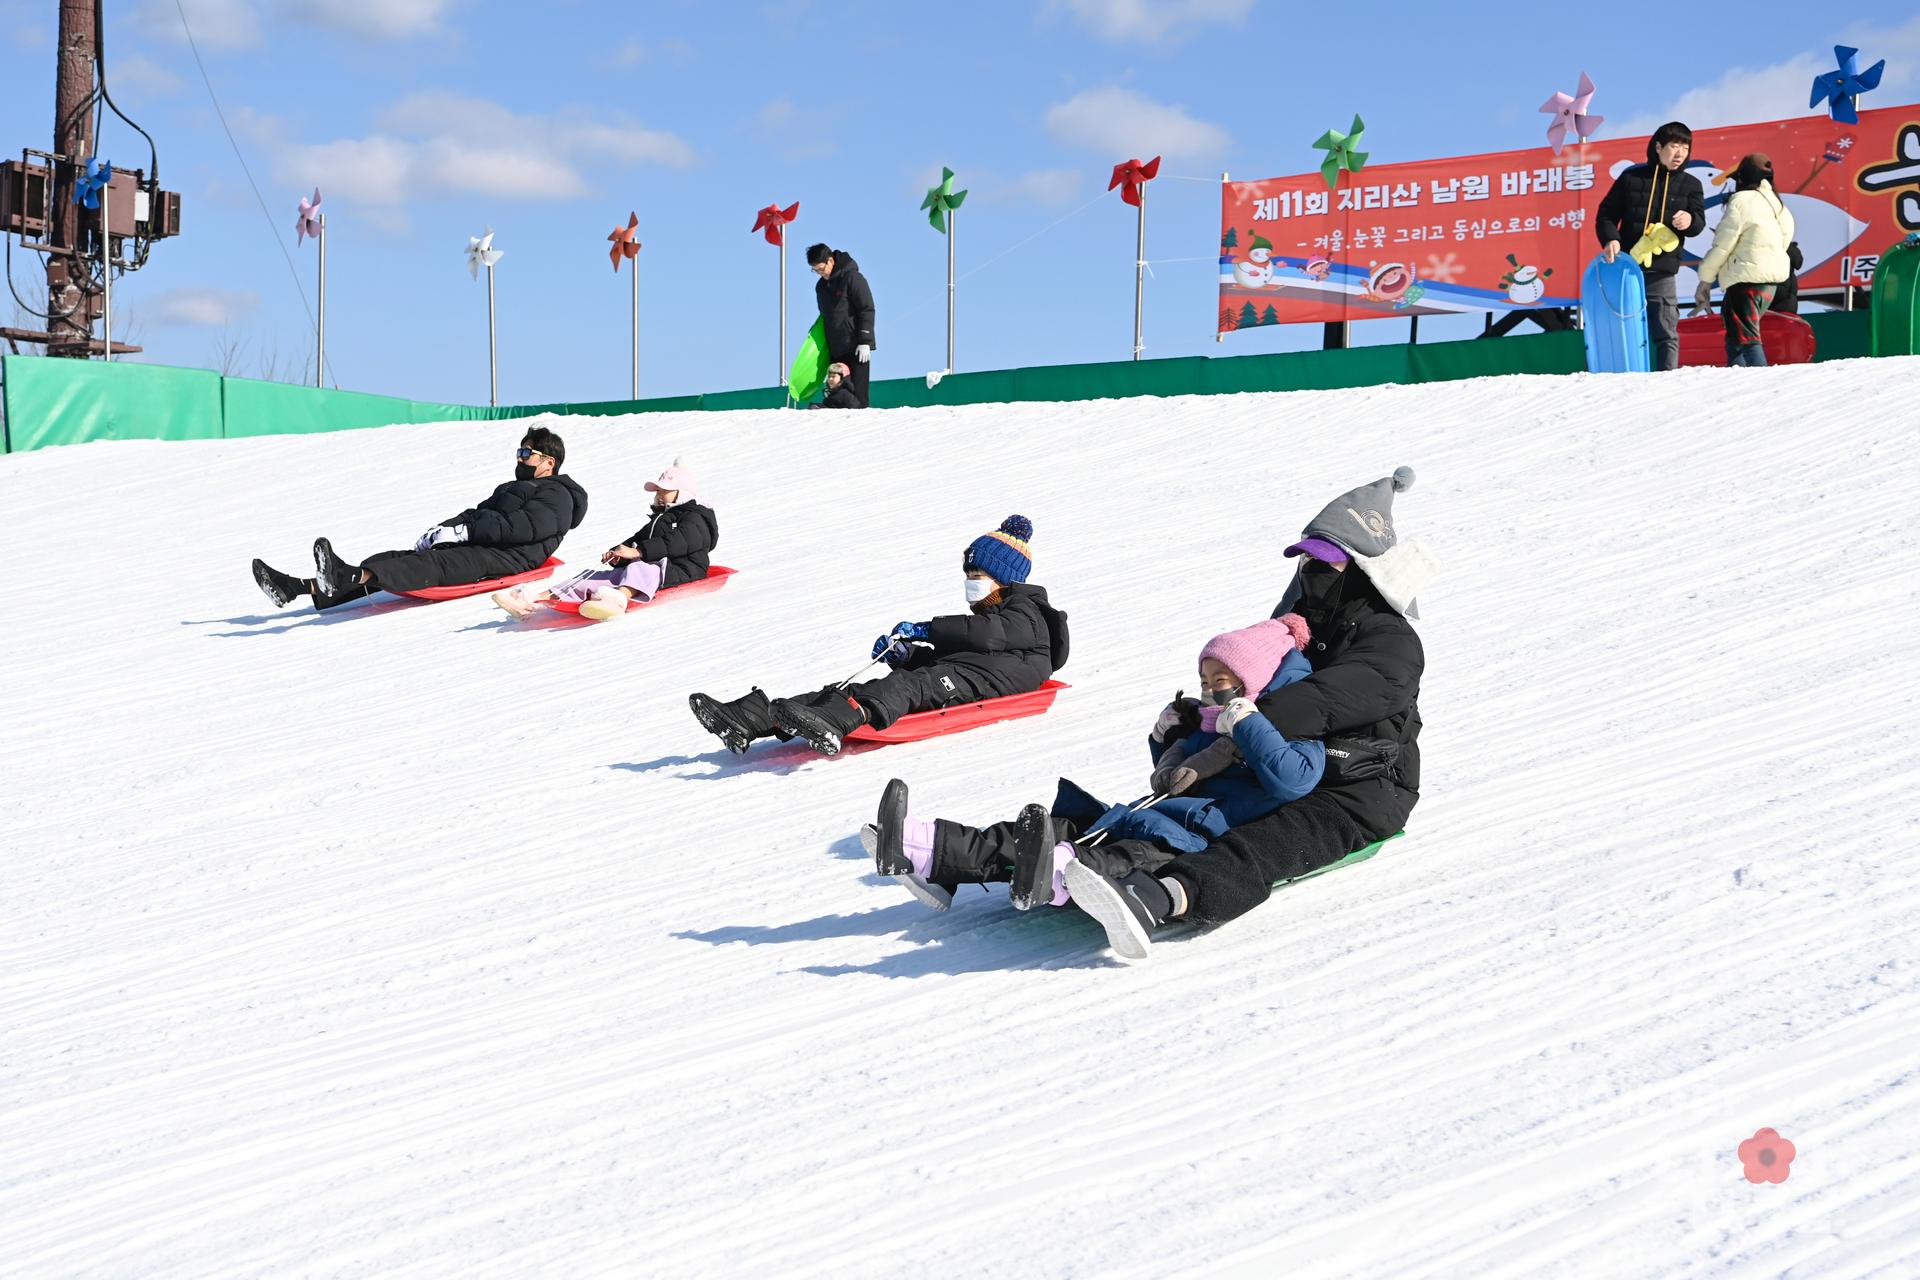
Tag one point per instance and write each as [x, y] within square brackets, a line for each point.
[525, 454]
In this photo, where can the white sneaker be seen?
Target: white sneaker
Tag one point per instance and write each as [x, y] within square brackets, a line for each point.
[514, 601]
[607, 602]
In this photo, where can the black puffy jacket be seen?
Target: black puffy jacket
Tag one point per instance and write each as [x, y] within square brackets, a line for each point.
[1367, 662]
[1649, 193]
[1013, 645]
[846, 305]
[529, 517]
[682, 535]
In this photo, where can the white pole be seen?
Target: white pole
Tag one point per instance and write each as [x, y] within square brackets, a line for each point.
[493, 350]
[780, 362]
[1140, 276]
[635, 264]
[950, 221]
[1218, 336]
[106, 264]
[320, 350]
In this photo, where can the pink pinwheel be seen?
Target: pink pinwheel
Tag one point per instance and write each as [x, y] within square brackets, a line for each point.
[773, 219]
[1570, 112]
[307, 222]
[1131, 175]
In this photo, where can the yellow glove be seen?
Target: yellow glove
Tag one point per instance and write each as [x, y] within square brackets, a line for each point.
[1659, 238]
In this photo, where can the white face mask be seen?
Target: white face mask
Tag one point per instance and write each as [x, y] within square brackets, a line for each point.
[979, 589]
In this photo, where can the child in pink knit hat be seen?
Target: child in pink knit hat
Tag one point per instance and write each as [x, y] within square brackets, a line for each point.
[1233, 665]
[670, 549]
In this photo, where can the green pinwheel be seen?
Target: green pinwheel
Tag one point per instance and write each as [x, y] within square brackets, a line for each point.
[942, 200]
[1340, 152]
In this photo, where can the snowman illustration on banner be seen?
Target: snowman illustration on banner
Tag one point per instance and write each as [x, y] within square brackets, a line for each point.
[1256, 272]
[1525, 285]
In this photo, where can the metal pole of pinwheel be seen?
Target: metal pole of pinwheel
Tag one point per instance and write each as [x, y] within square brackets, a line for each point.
[626, 248]
[481, 253]
[309, 221]
[939, 206]
[1132, 178]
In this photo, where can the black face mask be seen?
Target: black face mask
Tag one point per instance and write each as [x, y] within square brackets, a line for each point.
[1320, 584]
[1221, 697]
[523, 471]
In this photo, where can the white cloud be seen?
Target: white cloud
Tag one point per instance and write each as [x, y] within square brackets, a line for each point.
[1748, 95]
[378, 19]
[1048, 188]
[139, 74]
[794, 135]
[437, 143]
[193, 305]
[1120, 123]
[216, 24]
[1150, 20]
[633, 51]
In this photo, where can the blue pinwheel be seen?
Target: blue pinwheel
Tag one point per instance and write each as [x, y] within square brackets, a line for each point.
[90, 180]
[1841, 88]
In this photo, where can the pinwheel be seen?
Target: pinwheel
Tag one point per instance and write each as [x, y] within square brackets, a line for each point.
[1341, 154]
[773, 218]
[940, 204]
[89, 180]
[309, 221]
[481, 253]
[626, 246]
[1569, 112]
[1841, 88]
[942, 200]
[1131, 177]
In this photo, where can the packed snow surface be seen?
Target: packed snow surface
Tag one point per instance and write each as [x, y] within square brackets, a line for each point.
[411, 941]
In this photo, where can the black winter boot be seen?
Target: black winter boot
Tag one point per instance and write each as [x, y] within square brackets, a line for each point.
[889, 858]
[334, 576]
[281, 588]
[1033, 859]
[824, 719]
[735, 723]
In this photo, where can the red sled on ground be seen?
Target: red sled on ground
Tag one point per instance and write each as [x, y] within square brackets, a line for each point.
[968, 715]
[1786, 340]
[716, 578]
[459, 589]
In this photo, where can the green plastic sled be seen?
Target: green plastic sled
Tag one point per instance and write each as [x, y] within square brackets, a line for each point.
[1358, 855]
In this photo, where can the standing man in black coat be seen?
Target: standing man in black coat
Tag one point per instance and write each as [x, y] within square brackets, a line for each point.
[846, 308]
[1355, 587]
[1657, 193]
[514, 530]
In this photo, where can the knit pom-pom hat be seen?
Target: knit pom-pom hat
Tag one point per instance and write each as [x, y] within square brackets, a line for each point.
[677, 477]
[1002, 555]
[1255, 653]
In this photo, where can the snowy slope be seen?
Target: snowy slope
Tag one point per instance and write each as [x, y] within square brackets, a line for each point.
[407, 941]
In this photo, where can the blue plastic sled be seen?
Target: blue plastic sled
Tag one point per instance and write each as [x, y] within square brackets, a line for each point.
[1613, 315]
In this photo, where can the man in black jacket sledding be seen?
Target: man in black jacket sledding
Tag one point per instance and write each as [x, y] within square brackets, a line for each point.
[514, 530]
[1009, 641]
[1355, 587]
[846, 313]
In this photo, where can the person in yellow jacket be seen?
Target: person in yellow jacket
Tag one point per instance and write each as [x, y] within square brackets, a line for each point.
[1748, 258]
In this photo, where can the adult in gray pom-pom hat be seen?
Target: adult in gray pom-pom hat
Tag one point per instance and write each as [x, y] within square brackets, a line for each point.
[1355, 585]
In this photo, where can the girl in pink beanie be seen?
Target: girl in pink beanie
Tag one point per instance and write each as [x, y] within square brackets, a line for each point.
[1234, 665]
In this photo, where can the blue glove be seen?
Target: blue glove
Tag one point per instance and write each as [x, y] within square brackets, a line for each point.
[892, 650]
[910, 630]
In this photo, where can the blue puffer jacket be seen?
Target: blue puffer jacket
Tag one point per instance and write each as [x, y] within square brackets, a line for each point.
[1273, 770]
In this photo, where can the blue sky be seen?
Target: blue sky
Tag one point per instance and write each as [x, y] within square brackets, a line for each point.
[425, 120]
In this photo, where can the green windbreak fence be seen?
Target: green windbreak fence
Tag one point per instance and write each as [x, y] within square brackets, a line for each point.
[74, 401]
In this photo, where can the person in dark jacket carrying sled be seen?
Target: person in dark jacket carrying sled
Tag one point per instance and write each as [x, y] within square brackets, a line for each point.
[1647, 213]
[514, 530]
[1009, 641]
[1214, 767]
[670, 549]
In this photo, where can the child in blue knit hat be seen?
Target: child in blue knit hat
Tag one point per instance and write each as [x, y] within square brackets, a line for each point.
[1010, 640]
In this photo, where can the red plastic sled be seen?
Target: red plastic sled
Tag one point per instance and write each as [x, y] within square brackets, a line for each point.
[458, 590]
[1786, 340]
[716, 578]
[968, 715]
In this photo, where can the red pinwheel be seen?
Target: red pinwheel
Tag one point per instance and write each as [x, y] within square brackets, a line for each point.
[1131, 175]
[624, 243]
[773, 219]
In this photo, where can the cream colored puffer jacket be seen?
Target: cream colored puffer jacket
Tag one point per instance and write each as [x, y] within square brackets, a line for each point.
[1750, 244]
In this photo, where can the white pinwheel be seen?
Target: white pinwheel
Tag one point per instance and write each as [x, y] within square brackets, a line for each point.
[481, 253]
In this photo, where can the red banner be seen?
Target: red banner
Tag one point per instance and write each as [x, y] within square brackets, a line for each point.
[1514, 229]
